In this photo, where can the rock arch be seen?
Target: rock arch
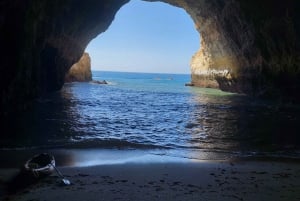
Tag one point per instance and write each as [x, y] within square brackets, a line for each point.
[248, 47]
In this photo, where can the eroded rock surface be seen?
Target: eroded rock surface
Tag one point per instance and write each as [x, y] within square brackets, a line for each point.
[80, 71]
[249, 47]
[40, 40]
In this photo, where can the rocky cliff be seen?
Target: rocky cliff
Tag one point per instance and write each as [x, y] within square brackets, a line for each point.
[80, 71]
[40, 40]
[247, 46]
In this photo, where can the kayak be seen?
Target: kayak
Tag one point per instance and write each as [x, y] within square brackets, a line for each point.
[40, 165]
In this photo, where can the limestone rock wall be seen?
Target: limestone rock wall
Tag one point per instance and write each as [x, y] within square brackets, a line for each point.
[225, 37]
[40, 40]
[249, 47]
[80, 71]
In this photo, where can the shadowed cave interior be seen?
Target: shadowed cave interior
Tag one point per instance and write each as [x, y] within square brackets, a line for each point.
[240, 51]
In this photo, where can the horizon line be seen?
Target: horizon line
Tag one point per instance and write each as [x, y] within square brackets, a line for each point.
[118, 71]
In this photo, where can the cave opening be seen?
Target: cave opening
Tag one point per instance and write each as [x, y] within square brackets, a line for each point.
[151, 37]
[72, 116]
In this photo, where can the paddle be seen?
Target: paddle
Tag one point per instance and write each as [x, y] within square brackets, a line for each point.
[64, 180]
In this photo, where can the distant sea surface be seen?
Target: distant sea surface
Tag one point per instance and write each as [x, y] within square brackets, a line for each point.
[157, 114]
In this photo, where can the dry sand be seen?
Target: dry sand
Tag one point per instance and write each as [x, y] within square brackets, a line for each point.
[244, 180]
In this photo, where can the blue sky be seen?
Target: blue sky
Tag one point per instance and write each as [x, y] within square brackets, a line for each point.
[146, 37]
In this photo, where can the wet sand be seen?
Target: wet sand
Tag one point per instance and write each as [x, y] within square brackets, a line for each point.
[206, 180]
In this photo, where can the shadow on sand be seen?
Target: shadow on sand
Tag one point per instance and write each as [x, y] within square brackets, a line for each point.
[20, 182]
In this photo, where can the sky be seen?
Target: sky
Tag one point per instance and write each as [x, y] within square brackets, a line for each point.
[146, 37]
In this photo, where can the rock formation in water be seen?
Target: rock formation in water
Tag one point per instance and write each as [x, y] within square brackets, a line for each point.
[247, 46]
[80, 71]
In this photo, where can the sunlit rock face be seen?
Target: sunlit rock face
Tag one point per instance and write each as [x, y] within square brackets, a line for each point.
[247, 46]
[219, 23]
[80, 71]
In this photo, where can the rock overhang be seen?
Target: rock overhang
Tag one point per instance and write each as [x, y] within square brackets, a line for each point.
[240, 48]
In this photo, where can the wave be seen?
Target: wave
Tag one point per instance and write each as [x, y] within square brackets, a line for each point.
[111, 143]
[88, 144]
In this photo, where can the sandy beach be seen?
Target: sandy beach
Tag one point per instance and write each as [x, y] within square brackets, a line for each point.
[201, 180]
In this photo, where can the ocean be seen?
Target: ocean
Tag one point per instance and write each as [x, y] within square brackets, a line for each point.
[154, 114]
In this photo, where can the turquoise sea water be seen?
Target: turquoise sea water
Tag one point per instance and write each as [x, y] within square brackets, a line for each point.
[156, 114]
